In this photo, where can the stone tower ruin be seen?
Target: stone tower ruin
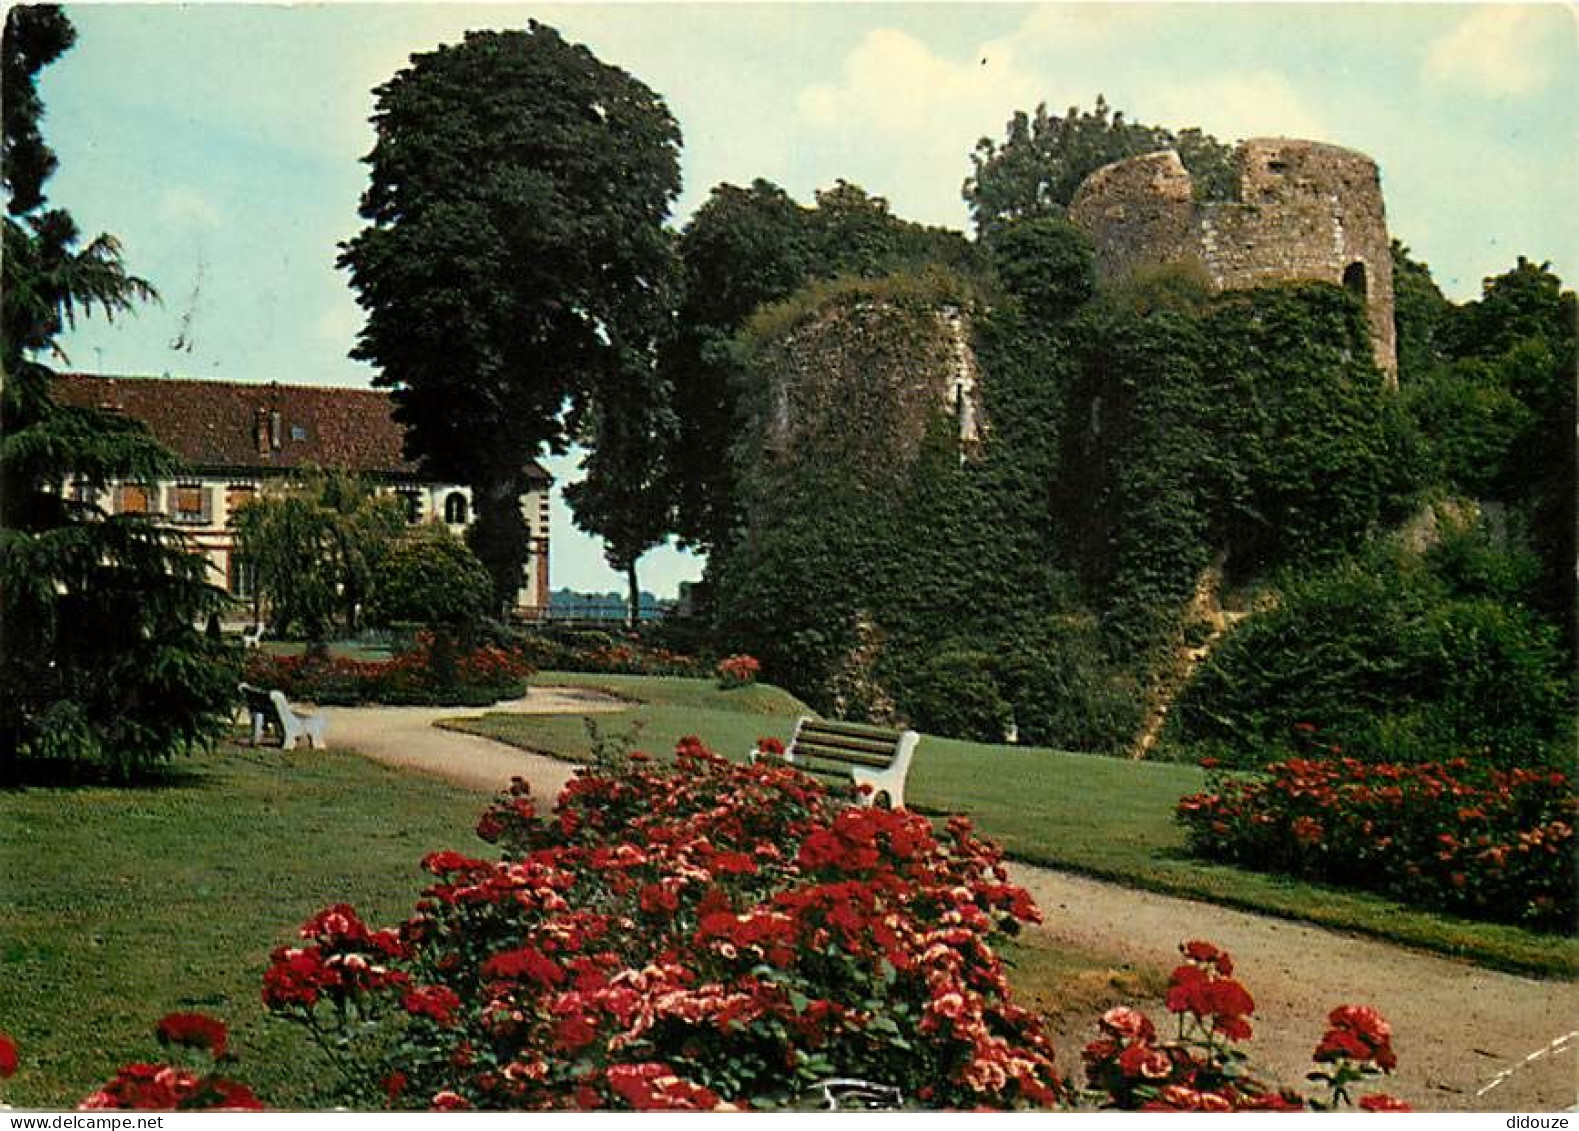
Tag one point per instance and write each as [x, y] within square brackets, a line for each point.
[1305, 211]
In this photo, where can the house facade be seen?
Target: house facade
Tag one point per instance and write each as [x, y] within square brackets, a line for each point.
[238, 439]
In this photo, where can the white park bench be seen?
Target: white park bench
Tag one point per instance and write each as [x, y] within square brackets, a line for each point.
[868, 756]
[252, 636]
[270, 709]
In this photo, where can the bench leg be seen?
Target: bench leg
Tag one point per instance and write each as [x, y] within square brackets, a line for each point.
[887, 788]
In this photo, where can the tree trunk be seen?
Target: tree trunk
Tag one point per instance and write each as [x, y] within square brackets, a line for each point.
[500, 538]
[633, 598]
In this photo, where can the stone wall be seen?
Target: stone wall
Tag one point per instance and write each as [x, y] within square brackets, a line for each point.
[1305, 211]
[872, 372]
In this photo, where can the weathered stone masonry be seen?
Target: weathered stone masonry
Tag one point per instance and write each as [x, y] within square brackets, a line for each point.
[1306, 211]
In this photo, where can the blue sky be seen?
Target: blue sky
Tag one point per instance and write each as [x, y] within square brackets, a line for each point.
[221, 142]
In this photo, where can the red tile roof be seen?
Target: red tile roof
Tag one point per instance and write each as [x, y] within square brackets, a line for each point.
[227, 426]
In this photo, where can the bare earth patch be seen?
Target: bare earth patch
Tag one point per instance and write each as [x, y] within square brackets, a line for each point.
[1456, 1027]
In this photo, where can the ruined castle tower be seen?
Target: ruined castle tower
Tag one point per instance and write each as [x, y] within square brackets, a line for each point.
[1304, 211]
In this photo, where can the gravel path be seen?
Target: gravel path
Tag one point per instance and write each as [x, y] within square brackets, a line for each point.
[1456, 1026]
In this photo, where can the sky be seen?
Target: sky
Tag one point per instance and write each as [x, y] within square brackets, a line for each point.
[222, 143]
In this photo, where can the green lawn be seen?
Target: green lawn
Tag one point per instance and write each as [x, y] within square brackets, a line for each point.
[124, 904]
[1102, 816]
[664, 709]
[342, 651]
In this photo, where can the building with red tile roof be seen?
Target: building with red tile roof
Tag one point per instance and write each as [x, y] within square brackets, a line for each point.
[237, 438]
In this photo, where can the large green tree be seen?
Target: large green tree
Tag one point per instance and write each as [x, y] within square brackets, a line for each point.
[102, 671]
[1043, 157]
[514, 258]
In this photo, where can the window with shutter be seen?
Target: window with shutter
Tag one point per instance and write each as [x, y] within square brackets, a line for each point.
[134, 499]
[238, 495]
[190, 503]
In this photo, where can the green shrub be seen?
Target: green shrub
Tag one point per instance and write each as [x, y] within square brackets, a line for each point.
[1064, 694]
[1388, 659]
[431, 577]
[953, 693]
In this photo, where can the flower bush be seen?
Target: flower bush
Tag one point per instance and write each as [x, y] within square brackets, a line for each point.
[1201, 1068]
[700, 937]
[433, 672]
[603, 654]
[166, 1087]
[737, 671]
[1494, 845]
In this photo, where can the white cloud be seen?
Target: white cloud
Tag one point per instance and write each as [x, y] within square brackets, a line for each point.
[901, 120]
[189, 207]
[1496, 50]
[893, 83]
[1232, 105]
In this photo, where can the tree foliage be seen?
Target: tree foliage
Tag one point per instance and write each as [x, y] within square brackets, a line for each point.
[1043, 158]
[431, 578]
[318, 546]
[1047, 263]
[514, 257]
[103, 671]
[1493, 399]
[624, 494]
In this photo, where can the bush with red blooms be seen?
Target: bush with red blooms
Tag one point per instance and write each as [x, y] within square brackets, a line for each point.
[1201, 1068]
[697, 937]
[430, 673]
[606, 654]
[737, 671]
[8, 1056]
[1499, 846]
[166, 1087]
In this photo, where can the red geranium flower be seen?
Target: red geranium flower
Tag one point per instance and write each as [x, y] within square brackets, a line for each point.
[1383, 1103]
[8, 1056]
[193, 1030]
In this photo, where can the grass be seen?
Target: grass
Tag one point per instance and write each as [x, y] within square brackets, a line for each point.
[126, 904]
[663, 710]
[1104, 817]
[340, 651]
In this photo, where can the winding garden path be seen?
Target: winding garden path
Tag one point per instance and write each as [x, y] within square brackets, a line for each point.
[1457, 1027]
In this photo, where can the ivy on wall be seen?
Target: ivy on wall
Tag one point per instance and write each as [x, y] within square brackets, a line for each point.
[1037, 581]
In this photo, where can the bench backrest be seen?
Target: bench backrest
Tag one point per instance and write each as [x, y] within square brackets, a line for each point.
[260, 702]
[826, 747]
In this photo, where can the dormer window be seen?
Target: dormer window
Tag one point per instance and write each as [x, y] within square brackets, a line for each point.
[298, 432]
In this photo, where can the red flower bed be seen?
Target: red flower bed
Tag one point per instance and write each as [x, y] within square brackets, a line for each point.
[1497, 847]
[429, 673]
[633, 659]
[1201, 1068]
[698, 937]
[166, 1087]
